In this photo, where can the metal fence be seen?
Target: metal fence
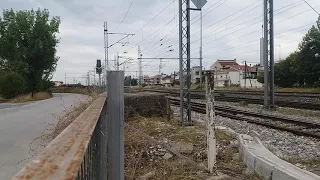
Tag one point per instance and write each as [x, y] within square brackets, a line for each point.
[80, 151]
[93, 166]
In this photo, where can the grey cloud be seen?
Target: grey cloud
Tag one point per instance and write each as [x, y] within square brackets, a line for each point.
[81, 31]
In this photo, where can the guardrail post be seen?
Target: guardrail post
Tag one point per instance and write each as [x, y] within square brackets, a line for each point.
[115, 125]
[210, 116]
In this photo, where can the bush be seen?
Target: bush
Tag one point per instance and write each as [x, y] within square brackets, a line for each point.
[11, 84]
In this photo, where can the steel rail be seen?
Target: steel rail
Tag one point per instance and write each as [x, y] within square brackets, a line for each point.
[232, 114]
[218, 97]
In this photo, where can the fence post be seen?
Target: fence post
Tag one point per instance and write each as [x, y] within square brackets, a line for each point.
[210, 116]
[115, 125]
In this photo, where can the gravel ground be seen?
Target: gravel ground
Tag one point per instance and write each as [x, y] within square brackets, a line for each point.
[283, 144]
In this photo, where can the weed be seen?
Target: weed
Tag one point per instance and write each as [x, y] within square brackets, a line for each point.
[140, 161]
[28, 97]
[67, 119]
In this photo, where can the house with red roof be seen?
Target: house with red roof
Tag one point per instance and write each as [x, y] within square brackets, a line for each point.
[230, 73]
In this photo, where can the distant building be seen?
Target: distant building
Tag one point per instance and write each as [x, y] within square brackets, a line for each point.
[230, 73]
[148, 80]
[58, 83]
[220, 63]
[195, 74]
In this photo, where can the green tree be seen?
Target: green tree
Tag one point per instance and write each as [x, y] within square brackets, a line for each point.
[308, 59]
[285, 71]
[127, 80]
[260, 77]
[134, 82]
[11, 84]
[28, 41]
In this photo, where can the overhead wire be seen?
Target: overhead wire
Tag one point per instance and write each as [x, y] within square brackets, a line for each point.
[250, 33]
[240, 16]
[176, 27]
[276, 36]
[295, 4]
[152, 20]
[312, 7]
[124, 15]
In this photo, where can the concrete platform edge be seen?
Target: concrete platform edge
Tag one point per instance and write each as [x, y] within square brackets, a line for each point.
[266, 167]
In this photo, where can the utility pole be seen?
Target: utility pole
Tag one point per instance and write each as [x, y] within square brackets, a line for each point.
[268, 55]
[65, 78]
[106, 52]
[140, 66]
[245, 74]
[94, 77]
[184, 64]
[117, 60]
[184, 58]
[88, 77]
[201, 49]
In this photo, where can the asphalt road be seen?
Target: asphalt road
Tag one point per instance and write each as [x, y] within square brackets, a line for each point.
[23, 129]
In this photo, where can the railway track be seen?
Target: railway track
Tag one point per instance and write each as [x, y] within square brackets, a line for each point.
[219, 97]
[296, 126]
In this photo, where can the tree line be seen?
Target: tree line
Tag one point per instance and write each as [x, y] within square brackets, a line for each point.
[28, 42]
[302, 67]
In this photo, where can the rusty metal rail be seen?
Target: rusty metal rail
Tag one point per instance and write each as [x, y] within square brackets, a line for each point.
[79, 152]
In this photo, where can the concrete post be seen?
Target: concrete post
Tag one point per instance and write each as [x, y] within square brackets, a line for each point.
[210, 116]
[115, 125]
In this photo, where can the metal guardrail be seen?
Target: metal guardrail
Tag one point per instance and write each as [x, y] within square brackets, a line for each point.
[79, 152]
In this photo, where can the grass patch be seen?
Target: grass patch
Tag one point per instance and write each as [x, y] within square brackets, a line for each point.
[28, 97]
[140, 161]
[223, 136]
[310, 164]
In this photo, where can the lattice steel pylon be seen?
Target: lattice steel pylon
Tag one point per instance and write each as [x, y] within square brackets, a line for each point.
[268, 55]
[184, 64]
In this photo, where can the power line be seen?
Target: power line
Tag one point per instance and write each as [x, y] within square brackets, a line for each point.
[151, 21]
[125, 15]
[255, 41]
[250, 33]
[312, 7]
[175, 28]
[212, 33]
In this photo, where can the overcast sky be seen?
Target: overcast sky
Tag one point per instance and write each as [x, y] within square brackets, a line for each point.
[231, 29]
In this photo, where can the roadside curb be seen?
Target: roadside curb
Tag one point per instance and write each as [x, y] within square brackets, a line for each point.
[263, 162]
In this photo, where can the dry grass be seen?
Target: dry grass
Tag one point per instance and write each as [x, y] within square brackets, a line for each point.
[89, 92]
[72, 114]
[283, 110]
[139, 160]
[28, 97]
[305, 90]
[310, 164]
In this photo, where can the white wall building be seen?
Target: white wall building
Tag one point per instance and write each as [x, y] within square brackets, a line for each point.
[230, 73]
[195, 74]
